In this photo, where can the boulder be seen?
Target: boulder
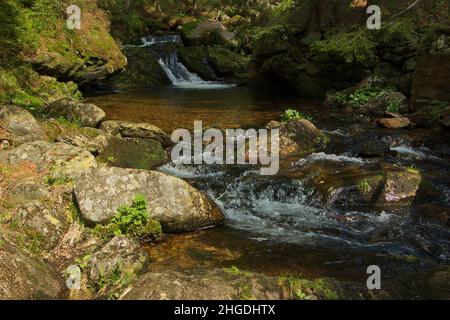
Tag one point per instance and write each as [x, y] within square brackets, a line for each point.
[121, 255]
[206, 33]
[133, 153]
[59, 159]
[196, 60]
[23, 276]
[394, 123]
[90, 139]
[378, 105]
[301, 137]
[20, 125]
[202, 284]
[373, 148]
[84, 114]
[270, 41]
[177, 205]
[227, 63]
[143, 70]
[136, 130]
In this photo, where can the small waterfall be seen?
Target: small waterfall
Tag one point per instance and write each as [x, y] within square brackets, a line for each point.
[177, 73]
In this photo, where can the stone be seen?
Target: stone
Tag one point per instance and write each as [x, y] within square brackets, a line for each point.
[431, 78]
[120, 254]
[378, 105]
[206, 33]
[227, 63]
[136, 130]
[177, 205]
[23, 277]
[373, 148]
[273, 124]
[196, 60]
[84, 114]
[394, 123]
[90, 139]
[301, 137]
[20, 125]
[59, 159]
[133, 153]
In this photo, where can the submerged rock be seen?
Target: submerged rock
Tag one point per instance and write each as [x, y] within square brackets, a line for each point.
[23, 276]
[59, 159]
[84, 114]
[177, 205]
[133, 153]
[301, 137]
[20, 125]
[136, 130]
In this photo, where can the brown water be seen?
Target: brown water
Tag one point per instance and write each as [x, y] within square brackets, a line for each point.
[238, 243]
[170, 108]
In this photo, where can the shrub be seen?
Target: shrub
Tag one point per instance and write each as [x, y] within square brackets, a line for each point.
[132, 220]
[360, 96]
[291, 114]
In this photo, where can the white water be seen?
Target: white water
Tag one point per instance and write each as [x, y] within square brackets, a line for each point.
[321, 156]
[181, 77]
[422, 153]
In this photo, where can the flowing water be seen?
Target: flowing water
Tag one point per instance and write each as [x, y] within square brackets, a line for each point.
[277, 224]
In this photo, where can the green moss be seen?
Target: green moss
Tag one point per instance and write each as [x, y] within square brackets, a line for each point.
[291, 114]
[303, 289]
[361, 96]
[364, 186]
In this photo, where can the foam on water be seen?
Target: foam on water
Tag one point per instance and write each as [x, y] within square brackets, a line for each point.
[321, 156]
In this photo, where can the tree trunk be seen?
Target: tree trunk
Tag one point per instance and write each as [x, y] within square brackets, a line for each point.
[327, 14]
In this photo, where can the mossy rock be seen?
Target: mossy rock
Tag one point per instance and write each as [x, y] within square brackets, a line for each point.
[271, 40]
[228, 63]
[133, 153]
[196, 60]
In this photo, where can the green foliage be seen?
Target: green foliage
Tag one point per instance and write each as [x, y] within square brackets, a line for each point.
[74, 124]
[355, 46]
[360, 96]
[131, 220]
[398, 31]
[291, 114]
[364, 186]
[393, 106]
[114, 283]
[413, 169]
[303, 289]
[233, 270]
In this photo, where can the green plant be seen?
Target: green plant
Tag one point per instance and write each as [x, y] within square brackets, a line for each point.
[361, 96]
[75, 123]
[393, 106]
[364, 186]
[291, 114]
[413, 169]
[131, 220]
[232, 270]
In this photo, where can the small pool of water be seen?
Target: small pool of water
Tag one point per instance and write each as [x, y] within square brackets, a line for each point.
[170, 107]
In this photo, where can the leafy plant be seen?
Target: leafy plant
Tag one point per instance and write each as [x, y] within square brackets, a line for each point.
[232, 270]
[291, 114]
[393, 106]
[413, 169]
[132, 220]
[360, 96]
[364, 186]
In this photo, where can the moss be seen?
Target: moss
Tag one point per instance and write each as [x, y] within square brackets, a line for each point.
[302, 289]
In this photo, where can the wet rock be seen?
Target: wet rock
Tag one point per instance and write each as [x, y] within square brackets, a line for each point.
[143, 70]
[228, 63]
[136, 130]
[23, 276]
[133, 153]
[120, 255]
[434, 213]
[430, 114]
[196, 60]
[90, 139]
[394, 123]
[274, 124]
[85, 114]
[177, 205]
[19, 126]
[373, 148]
[445, 118]
[301, 137]
[60, 159]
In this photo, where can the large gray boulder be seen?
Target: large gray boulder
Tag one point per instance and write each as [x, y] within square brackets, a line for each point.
[20, 124]
[85, 114]
[176, 204]
[59, 159]
[136, 130]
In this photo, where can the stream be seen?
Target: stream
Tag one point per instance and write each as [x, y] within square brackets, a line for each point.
[277, 224]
